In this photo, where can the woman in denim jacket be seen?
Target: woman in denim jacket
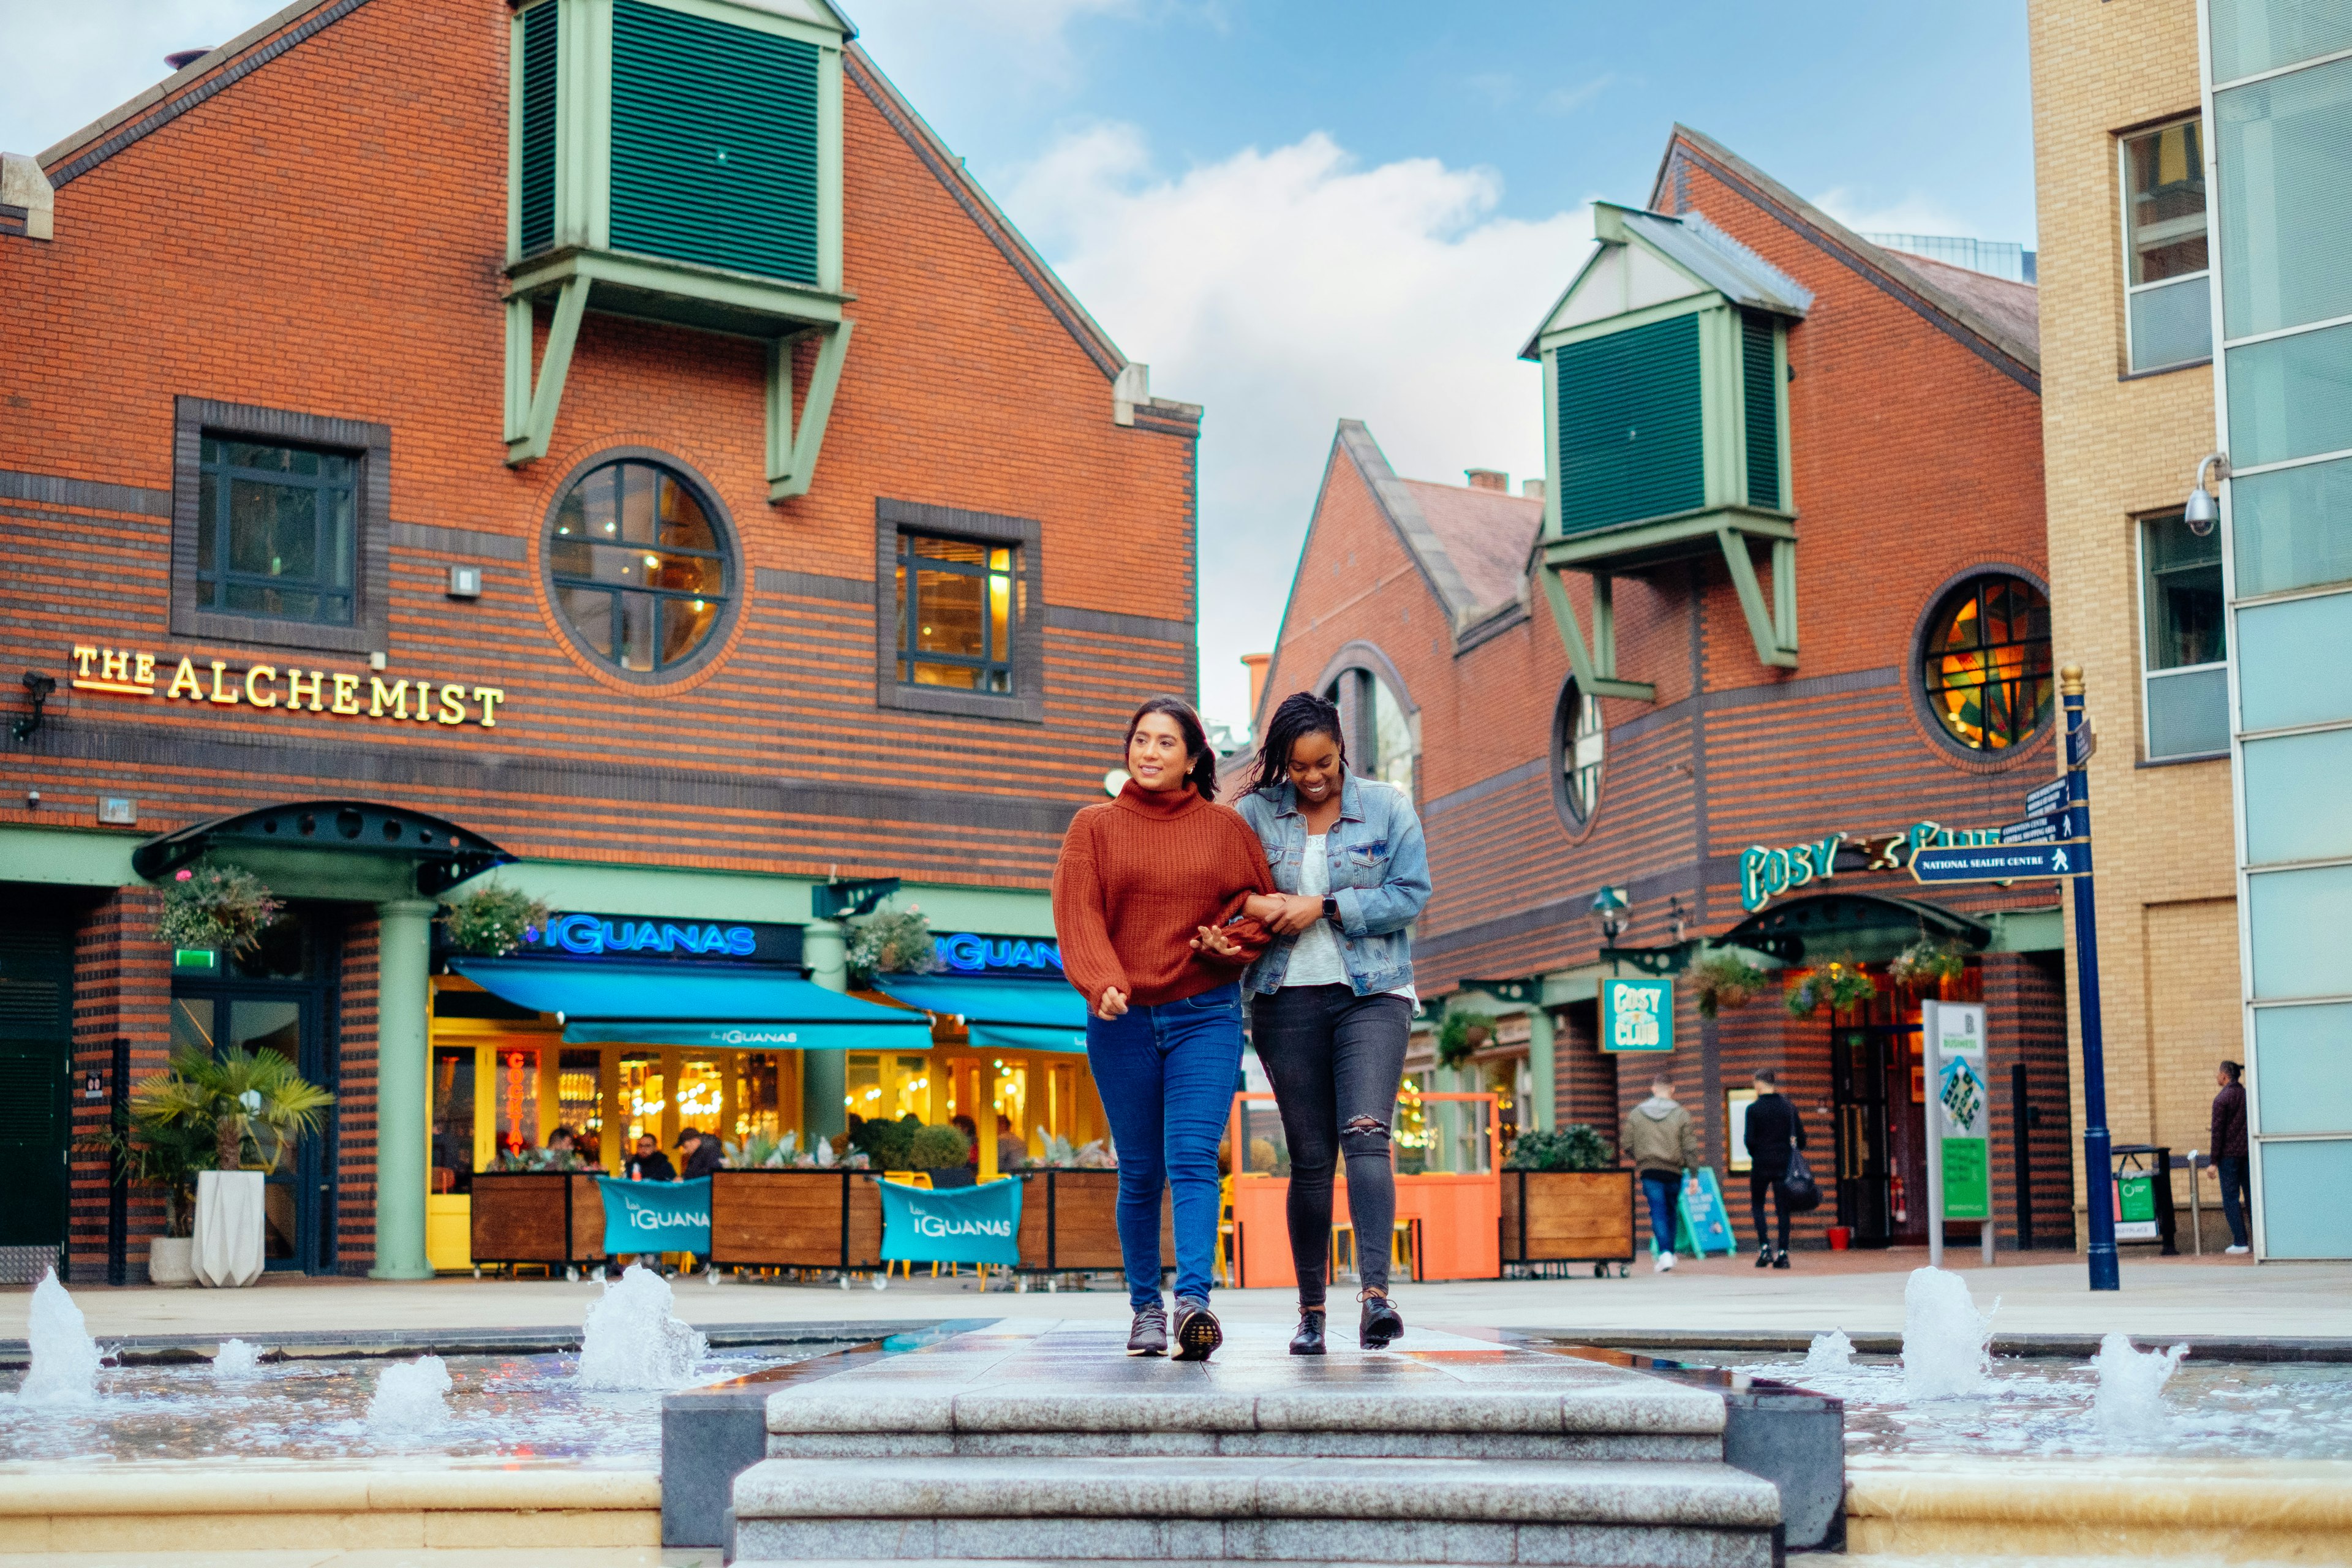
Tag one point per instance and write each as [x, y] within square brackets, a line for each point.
[1331, 1002]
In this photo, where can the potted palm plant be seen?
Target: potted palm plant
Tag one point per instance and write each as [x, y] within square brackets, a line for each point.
[256, 1108]
[152, 1150]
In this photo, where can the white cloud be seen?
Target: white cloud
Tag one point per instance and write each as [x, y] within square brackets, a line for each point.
[1568, 100]
[1911, 213]
[1288, 289]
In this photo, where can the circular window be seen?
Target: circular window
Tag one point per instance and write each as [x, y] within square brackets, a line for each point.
[1986, 662]
[640, 571]
[1578, 737]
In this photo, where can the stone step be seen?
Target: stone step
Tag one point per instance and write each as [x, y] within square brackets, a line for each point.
[1164, 1510]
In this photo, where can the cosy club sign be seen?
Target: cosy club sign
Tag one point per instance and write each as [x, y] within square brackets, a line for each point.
[130, 672]
[1766, 873]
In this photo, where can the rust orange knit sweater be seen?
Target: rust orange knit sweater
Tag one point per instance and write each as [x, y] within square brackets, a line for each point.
[1137, 875]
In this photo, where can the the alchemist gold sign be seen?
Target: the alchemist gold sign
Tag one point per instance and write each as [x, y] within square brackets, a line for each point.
[129, 672]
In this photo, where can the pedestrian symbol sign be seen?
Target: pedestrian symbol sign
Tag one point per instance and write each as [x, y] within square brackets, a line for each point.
[2001, 862]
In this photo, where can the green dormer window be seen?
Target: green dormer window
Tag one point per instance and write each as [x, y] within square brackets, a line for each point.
[677, 161]
[1666, 372]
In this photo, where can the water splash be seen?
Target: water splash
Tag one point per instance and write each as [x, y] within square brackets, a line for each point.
[2130, 1401]
[65, 1358]
[1831, 1351]
[410, 1396]
[1945, 1340]
[631, 1341]
[235, 1361]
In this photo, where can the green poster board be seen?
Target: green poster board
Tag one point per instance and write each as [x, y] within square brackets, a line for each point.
[1967, 1189]
[1637, 1014]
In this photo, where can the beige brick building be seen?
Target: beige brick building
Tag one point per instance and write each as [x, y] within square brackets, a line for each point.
[2128, 411]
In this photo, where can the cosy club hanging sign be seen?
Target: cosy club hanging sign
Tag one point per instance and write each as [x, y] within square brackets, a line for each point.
[128, 672]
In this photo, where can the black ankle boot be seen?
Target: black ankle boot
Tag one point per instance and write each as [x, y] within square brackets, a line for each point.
[1380, 1322]
[1309, 1339]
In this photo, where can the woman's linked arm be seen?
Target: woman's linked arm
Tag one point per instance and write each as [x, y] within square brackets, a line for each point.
[1087, 959]
[1247, 937]
[1397, 902]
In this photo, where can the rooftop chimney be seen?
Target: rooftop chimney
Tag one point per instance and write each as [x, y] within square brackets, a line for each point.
[1256, 663]
[181, 59]
[1489, 480]
[1532, 488]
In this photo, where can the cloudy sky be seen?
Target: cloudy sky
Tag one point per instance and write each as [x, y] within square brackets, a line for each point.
[1298, 211]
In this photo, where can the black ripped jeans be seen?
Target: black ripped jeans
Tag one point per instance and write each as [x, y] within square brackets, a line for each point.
[1335, 1059]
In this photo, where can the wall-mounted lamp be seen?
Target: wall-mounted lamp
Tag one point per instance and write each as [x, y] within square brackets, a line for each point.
[1610, 907]
[2202, 511]
[37, 686]
[1677, 918]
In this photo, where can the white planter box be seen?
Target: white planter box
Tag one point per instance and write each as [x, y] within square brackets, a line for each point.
[171, 1260]
[228, 1245]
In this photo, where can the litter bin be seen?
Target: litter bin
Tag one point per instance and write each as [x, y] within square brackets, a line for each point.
[2142, 1190]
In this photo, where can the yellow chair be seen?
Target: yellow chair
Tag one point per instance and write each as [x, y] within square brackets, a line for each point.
[1342, 1229]
[908, 1179]
[1225, 1227]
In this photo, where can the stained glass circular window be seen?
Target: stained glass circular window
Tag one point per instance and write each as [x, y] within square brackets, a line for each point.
[1986, 663]
[638, 571]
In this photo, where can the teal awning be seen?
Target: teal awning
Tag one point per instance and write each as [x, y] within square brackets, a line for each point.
[1002, 1015]
[680, 1005]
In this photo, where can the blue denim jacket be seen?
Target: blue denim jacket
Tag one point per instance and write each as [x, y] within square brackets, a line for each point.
[1380, 878]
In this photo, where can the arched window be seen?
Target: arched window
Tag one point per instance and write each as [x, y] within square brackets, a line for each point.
[1380, 734]
[1578, 738]
[638, 568]
[1985, 662]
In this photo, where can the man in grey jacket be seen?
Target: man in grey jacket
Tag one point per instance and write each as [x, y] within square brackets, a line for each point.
[1660, 1140]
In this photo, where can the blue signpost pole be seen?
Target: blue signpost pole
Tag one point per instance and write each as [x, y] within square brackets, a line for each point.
[2098, 1166]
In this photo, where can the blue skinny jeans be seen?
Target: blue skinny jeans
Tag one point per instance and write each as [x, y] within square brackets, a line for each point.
[1166, 1075]
[1660, 1188]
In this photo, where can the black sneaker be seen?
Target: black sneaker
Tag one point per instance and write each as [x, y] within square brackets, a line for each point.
[1150, 1334]
[1197, 1333]
[1764, 1256]
[1781, 1259]
[1380, 1323]
[1309, 1339]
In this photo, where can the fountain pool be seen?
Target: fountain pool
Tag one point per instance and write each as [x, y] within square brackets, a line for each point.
[497, 1406]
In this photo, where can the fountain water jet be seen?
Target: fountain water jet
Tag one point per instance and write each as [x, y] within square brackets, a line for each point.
[235, 1361]
[2130, 1401]
[410, 1396]
[1831, 1351]
[631, 1341]
[1945, 1340]
[65, 1358]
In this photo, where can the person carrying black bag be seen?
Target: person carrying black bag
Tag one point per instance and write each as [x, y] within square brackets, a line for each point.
[1774, 1134]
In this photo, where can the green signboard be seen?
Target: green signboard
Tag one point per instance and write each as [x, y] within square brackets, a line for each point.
[1637, 1014]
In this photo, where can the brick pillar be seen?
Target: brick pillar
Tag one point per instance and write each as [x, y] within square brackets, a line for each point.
[122, 986]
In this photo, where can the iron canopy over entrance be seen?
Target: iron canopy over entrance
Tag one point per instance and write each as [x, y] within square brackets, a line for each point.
[443, 853]
[1861, 924]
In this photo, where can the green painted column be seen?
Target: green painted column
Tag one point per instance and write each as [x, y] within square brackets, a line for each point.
[403, 1080]
[824, 948]
[1544, 1114]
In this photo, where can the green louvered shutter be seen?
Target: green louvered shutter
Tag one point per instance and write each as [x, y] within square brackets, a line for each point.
[714, 143]
[1632, 438]
[36, 1054]
[538, 175]
[1760, 386]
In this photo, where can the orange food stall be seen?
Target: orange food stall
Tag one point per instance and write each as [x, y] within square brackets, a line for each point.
[1449, 1190]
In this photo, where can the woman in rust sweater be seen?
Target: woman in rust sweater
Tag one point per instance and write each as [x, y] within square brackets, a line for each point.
[1148, 901]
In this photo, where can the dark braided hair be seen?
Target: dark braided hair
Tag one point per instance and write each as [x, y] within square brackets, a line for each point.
[1302, 714]
[1202, 773]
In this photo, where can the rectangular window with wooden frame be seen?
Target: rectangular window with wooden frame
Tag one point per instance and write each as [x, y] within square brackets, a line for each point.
[2168, 300]
[961, 628]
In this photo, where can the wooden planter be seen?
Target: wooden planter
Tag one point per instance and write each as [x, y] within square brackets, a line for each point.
[1069, 1222]
[1567, 1217]
[553, 1218]
[795, 1219]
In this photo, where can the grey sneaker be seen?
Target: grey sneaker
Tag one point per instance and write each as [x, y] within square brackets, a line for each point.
[1150, 1334]
[1197, 1333]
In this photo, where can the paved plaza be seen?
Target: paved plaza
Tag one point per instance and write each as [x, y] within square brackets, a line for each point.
[1859, 1292]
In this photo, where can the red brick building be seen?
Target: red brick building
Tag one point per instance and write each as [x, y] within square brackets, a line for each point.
[361, 359]
[1793, 528]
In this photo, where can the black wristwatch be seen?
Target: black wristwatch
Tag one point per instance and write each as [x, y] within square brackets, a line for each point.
[1330, 908]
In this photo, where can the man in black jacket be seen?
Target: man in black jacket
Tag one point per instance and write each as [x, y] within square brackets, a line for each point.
[1774, 1129]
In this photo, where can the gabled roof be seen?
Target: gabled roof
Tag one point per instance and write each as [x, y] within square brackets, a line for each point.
[1989, 323]
[1684, 255]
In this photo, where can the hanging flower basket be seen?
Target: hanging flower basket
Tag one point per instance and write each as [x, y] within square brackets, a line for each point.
[1462, 1035]
[1724, 980]
[892, 942]
[214, 906]
[1929, 961]
[1840, 982]
[492, 920]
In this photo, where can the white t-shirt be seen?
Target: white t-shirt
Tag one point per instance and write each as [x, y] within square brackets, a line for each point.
[1315, 957]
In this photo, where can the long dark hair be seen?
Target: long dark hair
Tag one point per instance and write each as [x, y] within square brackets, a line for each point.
[1203, 775]
[1302, 714]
